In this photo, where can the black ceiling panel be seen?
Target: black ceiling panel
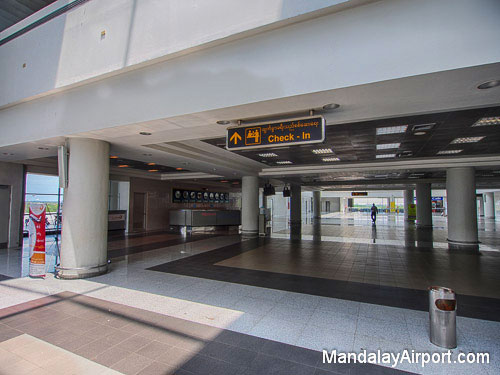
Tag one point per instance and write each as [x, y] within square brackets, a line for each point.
[358, 141]
[13, 11]
[140, 165]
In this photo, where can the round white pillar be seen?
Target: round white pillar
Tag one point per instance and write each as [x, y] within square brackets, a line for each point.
[462, 211]
[317, 204]
[250, 206]
[408, 199]
[424, 205]
[489, 205]
[84, 240]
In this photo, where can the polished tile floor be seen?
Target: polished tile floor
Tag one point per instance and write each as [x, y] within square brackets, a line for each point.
[416, 267]
[72, 333]
[192, 296]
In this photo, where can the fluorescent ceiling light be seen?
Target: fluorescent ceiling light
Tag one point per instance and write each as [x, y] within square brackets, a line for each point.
[284, 162]
[487, 121]
[385, 156]
[392, 130]
[449, 152]
[387, 146]
[268, 155]
[330, 159]
[323, 151]
[466, 140]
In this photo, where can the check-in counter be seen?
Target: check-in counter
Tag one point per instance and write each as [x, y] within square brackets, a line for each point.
[205, 218]
[117, 219]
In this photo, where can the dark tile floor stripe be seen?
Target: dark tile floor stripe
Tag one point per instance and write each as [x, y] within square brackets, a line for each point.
[115, 253]
[122, 336]
[4, 277]
[202, 265]
[121, 235]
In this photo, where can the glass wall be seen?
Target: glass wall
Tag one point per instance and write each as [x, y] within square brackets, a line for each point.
[364, 204]
[44, 189]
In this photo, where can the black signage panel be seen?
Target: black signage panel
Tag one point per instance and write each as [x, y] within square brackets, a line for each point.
[284, 133]
[193, 196]
[359, 194]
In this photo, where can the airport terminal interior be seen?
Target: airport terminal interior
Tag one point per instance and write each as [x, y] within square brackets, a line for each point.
[241, 199]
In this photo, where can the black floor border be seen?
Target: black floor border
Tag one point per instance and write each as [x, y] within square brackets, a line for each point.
[202, 265]
[115, 253]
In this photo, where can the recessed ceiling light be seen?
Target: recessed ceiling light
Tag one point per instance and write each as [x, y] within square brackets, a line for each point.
[43, 148]
[7, 153]
[235, 183]
[385, 156]
[224, 181]
[148, 154]
[387, 146]
[392, 130]
[420, 133]
[330, 159]
[145, 133]
[152, 170]
[123, 166]
[284, 162]
[178, 169]
[485, 121]
[330, 106]
[151, 163]
[322, 151]
[113, 157]
[466, 140]
[489, 84]
[268, 155]
[223, 122]
[449, 152]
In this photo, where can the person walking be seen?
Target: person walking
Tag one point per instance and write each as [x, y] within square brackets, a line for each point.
[374, 210]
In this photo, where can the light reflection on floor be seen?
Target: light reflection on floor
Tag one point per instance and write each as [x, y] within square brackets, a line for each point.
[390, 229]
[16, 262]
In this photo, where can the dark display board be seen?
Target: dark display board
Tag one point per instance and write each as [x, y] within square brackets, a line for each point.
[195, 196]
[359, 194]
[284, 133]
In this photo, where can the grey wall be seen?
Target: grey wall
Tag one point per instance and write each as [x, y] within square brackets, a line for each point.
[334, 204]
[159, 201]
[13, 175]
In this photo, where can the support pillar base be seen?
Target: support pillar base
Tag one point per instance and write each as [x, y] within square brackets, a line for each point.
[249, 234]
[81, 273]
[463, 245]
[424, 226]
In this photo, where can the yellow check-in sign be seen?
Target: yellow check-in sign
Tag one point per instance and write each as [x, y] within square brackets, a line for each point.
[283, 133]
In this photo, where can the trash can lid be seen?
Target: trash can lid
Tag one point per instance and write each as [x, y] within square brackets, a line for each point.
[441, 289]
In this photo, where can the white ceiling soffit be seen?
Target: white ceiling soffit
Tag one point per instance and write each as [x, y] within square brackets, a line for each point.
[416, 164]
[222, 161]
[188, 176]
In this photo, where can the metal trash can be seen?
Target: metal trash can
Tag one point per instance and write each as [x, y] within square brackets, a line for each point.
[443, 317]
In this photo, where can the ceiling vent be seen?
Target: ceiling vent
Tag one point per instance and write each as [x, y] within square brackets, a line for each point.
[404, 154]
[423, 127]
